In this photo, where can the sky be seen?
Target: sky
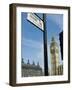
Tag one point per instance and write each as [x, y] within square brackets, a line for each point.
[32, 37]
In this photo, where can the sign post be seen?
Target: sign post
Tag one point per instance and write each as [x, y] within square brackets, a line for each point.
[45, 47]
[41, 24]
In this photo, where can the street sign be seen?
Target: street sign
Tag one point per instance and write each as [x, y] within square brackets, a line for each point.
[35, 20]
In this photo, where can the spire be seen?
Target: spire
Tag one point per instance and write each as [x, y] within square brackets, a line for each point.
[28, 62]
[38, 64]
[53, 39]
[33, 63]
[22, 60]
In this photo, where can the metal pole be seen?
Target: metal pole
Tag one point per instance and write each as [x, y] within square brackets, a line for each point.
[45, 47]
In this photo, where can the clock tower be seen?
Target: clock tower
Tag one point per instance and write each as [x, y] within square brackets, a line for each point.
[54, 54]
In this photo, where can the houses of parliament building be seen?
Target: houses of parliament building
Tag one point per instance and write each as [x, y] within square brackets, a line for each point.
[30, 70]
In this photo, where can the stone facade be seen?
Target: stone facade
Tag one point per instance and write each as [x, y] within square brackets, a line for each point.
[30, 70]
[60, 70]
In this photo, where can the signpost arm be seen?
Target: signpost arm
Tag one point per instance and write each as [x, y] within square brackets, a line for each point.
[45, 47]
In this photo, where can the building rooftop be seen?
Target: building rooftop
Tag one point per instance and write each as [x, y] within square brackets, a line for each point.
[31, 66]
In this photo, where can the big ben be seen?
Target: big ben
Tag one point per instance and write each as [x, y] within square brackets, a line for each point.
[54, 53]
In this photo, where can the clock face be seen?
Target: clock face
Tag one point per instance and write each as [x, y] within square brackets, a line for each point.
[52, 50]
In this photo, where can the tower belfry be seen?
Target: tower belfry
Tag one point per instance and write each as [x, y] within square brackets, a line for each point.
[54, 53]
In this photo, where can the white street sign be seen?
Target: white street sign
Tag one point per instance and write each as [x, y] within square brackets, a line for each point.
[35, 20]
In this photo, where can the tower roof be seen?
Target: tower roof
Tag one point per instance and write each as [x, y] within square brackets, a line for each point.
[53, 42]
